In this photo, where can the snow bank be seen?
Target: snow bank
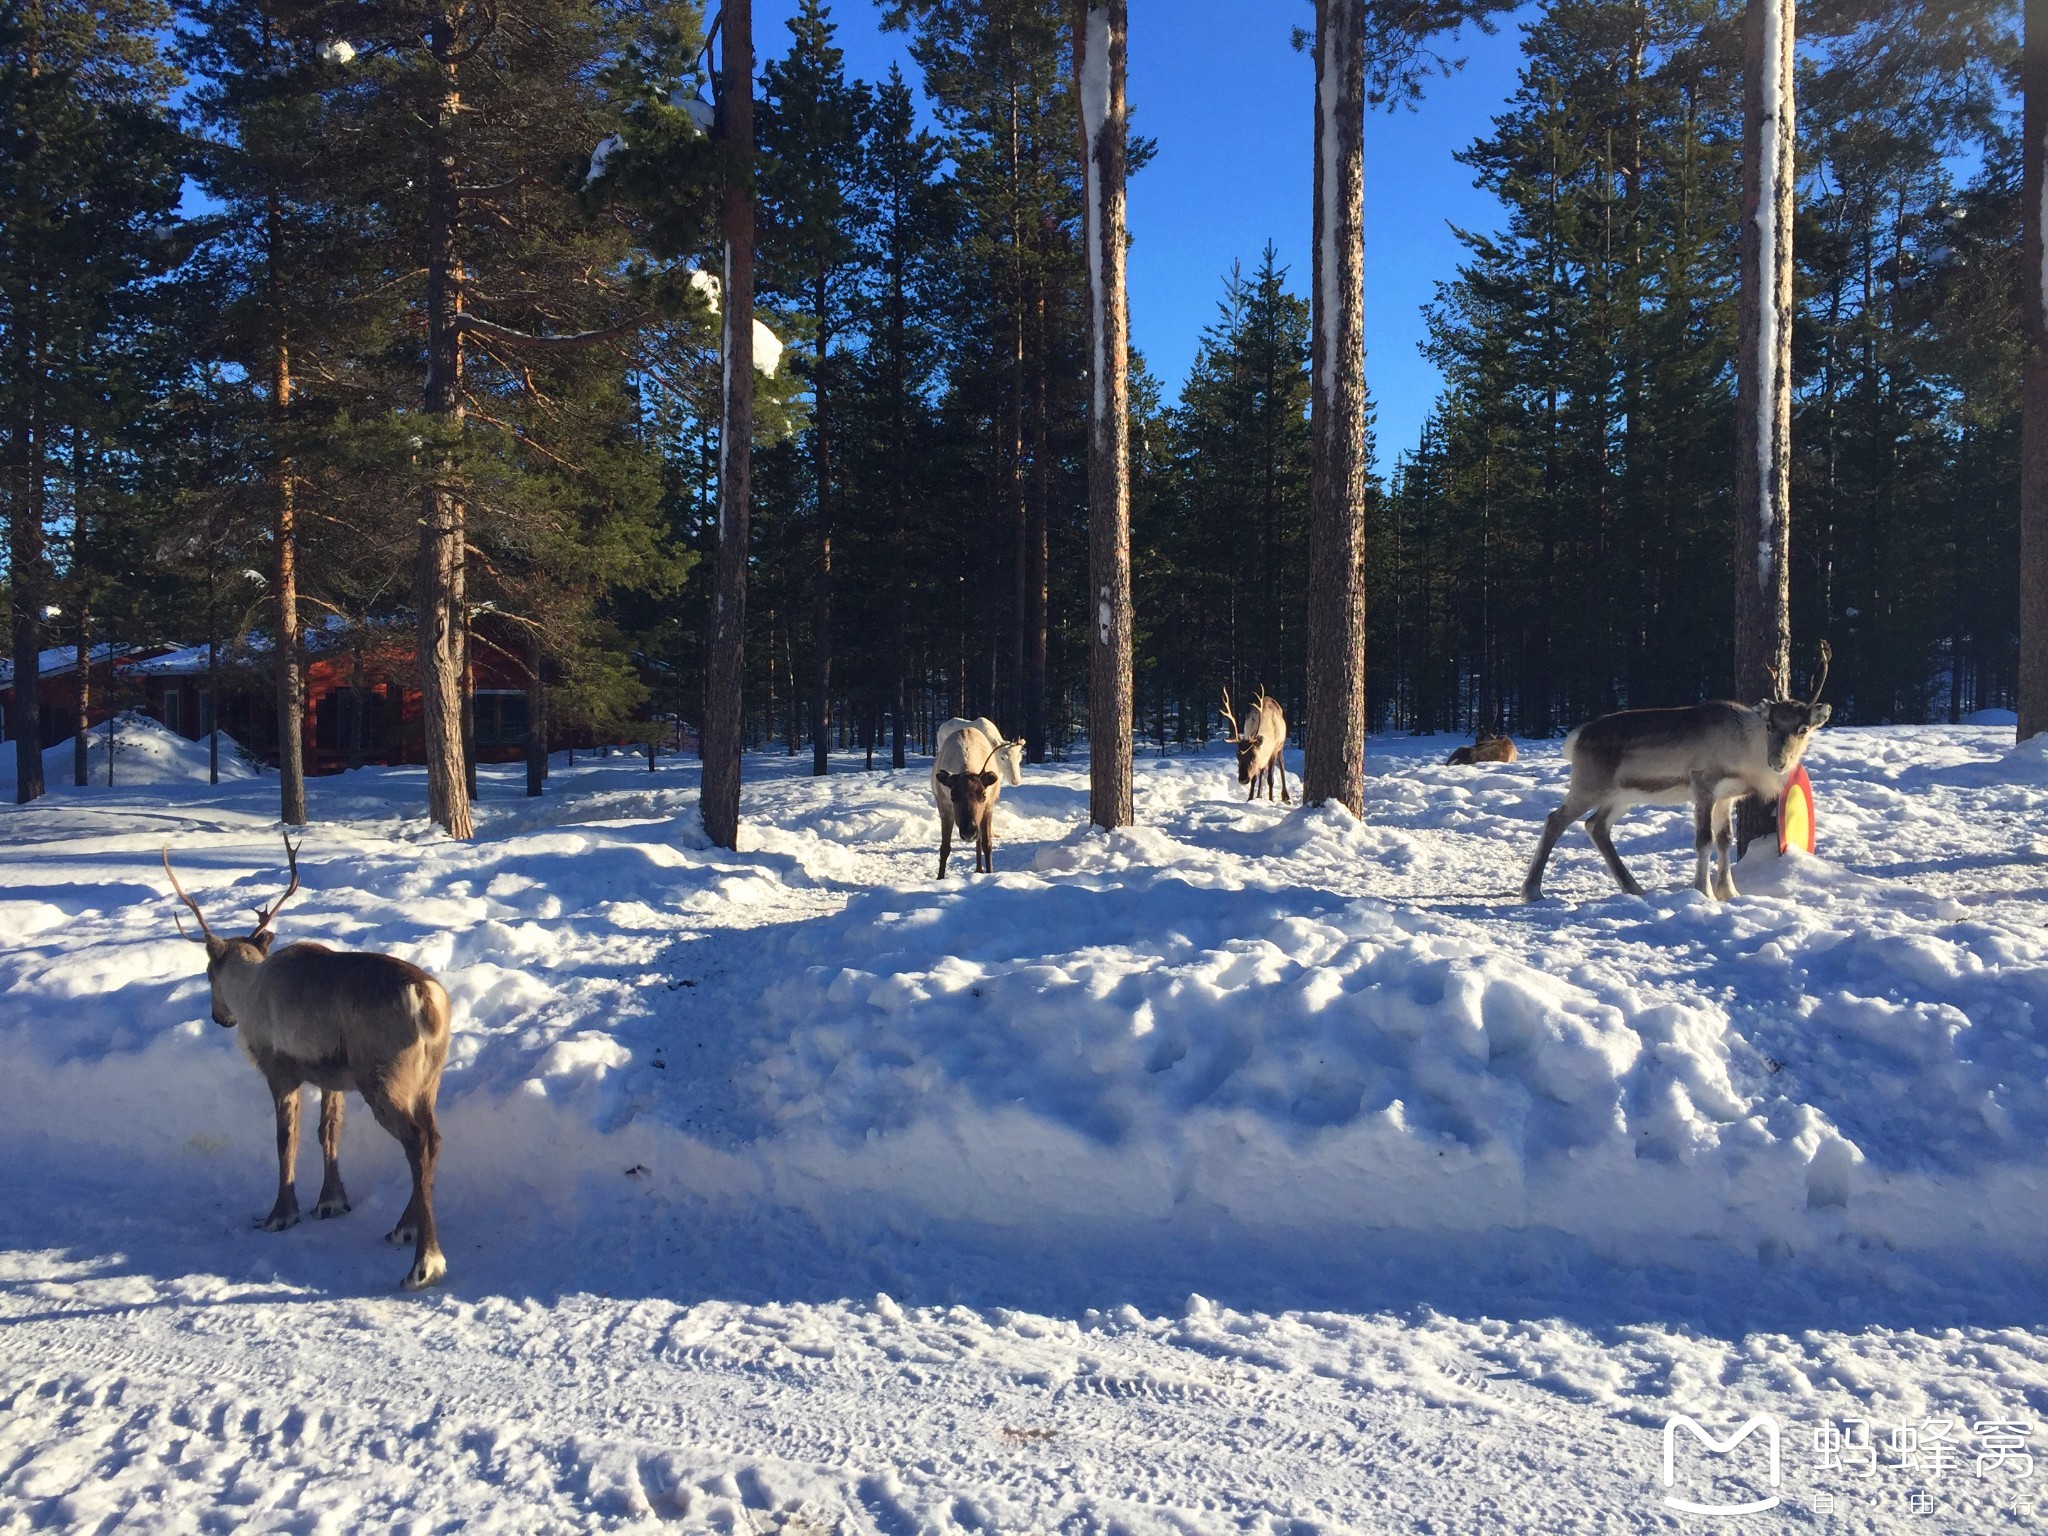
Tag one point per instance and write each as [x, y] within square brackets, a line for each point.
[145, 753]
[1231, 1023]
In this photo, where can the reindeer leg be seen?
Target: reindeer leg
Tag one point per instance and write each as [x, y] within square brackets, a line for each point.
[284, 1090]
[1280, 763]
[1597, 829]
[985, 846]
[1724, 843]
[945, 843]
[1553, 828]
[417, 1132]
[333, 1198]
[1703, 814]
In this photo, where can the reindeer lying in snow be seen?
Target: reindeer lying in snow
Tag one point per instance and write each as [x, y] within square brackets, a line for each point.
[969, 770]
[1707, 754]
[1261, 751]
[338, 1020]
[1484, 749]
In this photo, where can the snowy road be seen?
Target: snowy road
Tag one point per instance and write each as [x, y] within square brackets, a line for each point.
[1247, 1172]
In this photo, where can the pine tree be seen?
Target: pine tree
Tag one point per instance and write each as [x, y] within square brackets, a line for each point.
[1099, 68]
[89, 185]
[2033, 574]
[812, 124]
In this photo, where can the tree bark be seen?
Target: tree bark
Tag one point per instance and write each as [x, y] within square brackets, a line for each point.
[442, 514]
[723, 708]
[291, 703]
[899, 528]
[1037, 547]
[1763, 406]
[1333, 753]
[2033, 690]
[291, 697]
[536, 722]
[1763, 395]
[1099, 69]
[821, 620]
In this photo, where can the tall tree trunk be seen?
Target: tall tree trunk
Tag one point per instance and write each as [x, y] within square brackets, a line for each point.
[291, 698]
[1333, 755]
[291, 703]
[821, 440]
[1099, 69]
[1763, 396]
[899, 527]
[80, 739]
[1763, 406]
[724, 718]
[443, 514]
[536, 720]
[1037, 594]
[81, 566]
[2033, 699]
[27, 567]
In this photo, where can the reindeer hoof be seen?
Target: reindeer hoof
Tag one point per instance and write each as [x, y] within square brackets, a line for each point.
[334, 1205]
[279, 1219]
[401, 1234]
[430, 1270]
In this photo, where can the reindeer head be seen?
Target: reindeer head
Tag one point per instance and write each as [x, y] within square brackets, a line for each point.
[1791, 722]
[1008, 761]
[972, 794]
[1247, 746]
[222, 955]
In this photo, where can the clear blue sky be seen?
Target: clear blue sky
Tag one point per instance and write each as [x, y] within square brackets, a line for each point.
[1219, 85]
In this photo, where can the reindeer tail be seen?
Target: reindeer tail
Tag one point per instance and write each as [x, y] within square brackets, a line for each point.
[1571, 743]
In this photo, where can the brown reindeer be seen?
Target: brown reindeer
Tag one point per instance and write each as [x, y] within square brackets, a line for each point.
[1708, 755]
[1261, 751]
[1484, 749]
[340, 1020]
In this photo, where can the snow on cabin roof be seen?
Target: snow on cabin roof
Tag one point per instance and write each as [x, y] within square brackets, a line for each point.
[331, 633]
[60, 659]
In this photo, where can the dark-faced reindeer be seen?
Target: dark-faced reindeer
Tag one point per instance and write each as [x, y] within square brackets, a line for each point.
[1707, 755]
[339, 1020]
[1261, 751]
[1484, 749]
[969, 770]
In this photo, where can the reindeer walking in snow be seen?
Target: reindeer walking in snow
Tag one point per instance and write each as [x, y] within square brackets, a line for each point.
[1261, 751]
[972, 764]
[1708, 755]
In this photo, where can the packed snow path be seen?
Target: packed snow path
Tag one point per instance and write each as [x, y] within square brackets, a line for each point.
[1249, 1170]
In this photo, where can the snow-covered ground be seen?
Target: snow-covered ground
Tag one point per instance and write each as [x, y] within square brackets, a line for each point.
[1251, 1170]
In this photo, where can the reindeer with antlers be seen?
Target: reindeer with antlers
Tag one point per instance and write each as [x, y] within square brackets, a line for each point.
[1261, 752]
[340, 1020]
[1708, 755]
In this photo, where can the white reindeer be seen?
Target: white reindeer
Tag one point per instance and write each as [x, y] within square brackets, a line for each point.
[969, 769]
[1261, 751]
[340, 1020]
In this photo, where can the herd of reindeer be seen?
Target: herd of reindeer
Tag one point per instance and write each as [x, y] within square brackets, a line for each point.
[378, 1026]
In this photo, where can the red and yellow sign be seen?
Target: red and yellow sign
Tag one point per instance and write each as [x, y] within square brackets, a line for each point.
[1795, 813]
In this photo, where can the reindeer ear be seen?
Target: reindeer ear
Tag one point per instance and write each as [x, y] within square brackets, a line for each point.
[263, 941]
[215, 948]
[985, 779]
[945, 778]
[1818, 715]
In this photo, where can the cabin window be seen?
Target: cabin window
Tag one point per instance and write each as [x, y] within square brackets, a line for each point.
[170, 710]
[500, 717]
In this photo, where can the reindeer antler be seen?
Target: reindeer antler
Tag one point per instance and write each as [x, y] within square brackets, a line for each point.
[1827, 658]
[265, 914]
[1231, 716]
[205, 932]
